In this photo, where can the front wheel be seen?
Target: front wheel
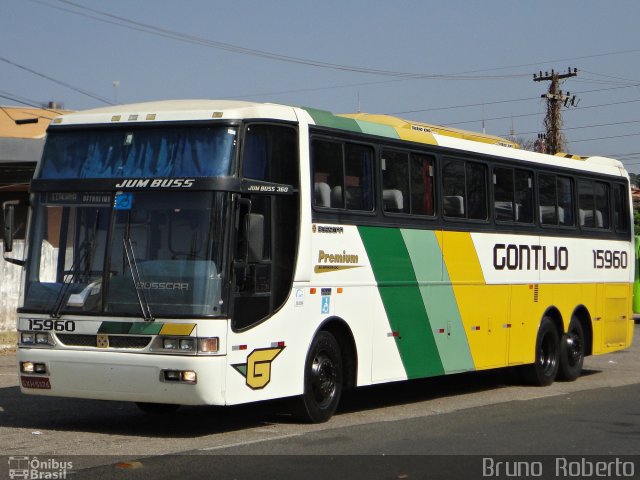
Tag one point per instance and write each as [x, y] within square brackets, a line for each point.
[545, 368]
[323, 379]
[572, 352]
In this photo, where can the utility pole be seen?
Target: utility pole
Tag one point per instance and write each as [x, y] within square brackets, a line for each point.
[554, 140]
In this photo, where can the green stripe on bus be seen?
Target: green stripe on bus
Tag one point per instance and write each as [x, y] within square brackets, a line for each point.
[439, 300]
[146, 328]
[328, 119]
[377, 129]
[402, 300]
[123, 328]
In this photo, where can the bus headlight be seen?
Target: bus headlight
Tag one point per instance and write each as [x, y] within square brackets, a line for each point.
[27, 338]
[190, 345]
[43, 339]
[170, 343]
[187, 344]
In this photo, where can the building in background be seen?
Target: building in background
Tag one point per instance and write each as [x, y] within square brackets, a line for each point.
[22, 134]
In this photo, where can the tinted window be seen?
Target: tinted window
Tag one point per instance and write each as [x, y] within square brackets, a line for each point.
[556, 200]
[464, 189]
[593, 204]
[342, 175]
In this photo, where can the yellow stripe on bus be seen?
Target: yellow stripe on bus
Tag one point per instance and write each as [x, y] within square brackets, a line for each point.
[177, 329]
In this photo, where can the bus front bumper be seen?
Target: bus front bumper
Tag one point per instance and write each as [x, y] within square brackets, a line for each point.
[124, 376]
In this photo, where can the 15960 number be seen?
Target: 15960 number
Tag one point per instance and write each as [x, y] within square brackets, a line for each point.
[608, 259]
[39, 324]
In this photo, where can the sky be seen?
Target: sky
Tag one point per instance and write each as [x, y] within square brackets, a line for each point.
[462, 63]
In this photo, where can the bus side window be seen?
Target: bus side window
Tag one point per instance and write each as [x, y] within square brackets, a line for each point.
[422, 191]
[523, 196]
[359, 177]
[620, 209]
[464, 186]
[503, 194]
[270, 154]
[593, 204]
[453, 186]
[395, 181]
[328, 173]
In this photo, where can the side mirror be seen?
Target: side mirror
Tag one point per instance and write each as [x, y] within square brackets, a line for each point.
[9, 210]
[8, 231]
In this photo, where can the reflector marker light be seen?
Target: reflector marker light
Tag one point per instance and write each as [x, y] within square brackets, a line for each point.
[151, 116]
[116, 118]
[475, 328]
[393, 334]
[277, 344]
[506, 325]
[313, 290]
[441, 330]
[238, 347]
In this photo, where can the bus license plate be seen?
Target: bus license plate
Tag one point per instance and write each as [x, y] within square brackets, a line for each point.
[36, 382]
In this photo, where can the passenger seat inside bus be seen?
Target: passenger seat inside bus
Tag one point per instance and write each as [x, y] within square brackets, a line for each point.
[322, 194]
[393, 200]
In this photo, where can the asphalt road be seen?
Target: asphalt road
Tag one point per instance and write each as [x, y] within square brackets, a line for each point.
[392, 431]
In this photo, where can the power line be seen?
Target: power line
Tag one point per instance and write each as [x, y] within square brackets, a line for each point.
[606, 138]
[124, 22]
[34, 105]
[532, 114]
[95, 96]
[583, 126]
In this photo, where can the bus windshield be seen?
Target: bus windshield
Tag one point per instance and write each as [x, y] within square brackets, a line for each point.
[135, 253]
[125, 152]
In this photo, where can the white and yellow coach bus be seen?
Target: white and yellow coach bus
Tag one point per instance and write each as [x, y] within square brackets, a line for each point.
[222, 252]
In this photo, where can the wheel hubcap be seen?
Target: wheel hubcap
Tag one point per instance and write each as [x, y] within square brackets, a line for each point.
[323, 379]
[574, 348]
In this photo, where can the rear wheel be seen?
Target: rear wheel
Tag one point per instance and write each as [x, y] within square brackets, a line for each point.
[545, 368]
[572, 352]
[323, 381]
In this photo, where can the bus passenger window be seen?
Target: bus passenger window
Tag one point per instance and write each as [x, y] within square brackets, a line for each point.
[523, 196]
[503, 194]
[565, 201]
[547, 198]
[421, 184]
[453, 188]
[620, 209]
[477, 190]
[395, 181]
[328, 174]
[593, 204]
[359, 177]
[556, 200]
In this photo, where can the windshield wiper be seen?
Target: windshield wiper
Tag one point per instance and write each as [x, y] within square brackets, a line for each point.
[135, 276]
[85, 254]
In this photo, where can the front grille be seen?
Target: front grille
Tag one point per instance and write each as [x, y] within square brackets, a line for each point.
[115, 341]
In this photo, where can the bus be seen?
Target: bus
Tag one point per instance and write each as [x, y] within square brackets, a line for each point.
[225, 252]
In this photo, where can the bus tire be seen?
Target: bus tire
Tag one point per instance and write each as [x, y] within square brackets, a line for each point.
[547, 359]
[572, 352]
[323, 381]
[157, 408]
